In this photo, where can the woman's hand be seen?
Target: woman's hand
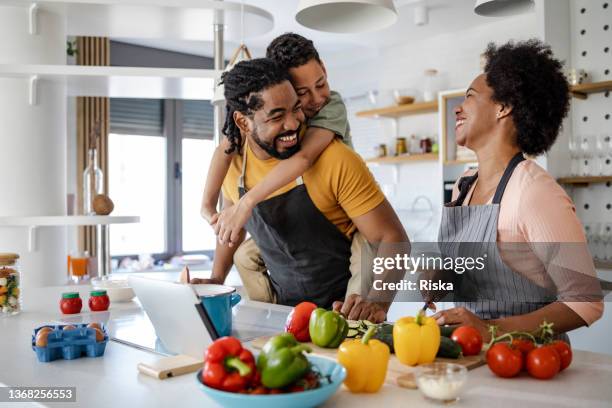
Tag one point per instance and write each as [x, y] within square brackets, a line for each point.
[231, 221]
[462, 317]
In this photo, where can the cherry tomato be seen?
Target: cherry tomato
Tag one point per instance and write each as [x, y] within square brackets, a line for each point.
[524, 345]
[469, 339]
[543, 362]
[565, 352]
[504, 360]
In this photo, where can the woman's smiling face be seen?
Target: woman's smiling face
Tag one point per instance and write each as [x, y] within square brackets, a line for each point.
[476, 117]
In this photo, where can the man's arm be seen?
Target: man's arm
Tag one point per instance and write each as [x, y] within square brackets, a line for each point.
[379, 226]
[224, 256]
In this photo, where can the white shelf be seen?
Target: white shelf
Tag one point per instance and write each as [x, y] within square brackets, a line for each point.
[59, 220]
[190, 20]
[121, 82]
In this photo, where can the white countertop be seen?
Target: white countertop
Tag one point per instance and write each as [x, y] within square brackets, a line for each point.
[113, 380]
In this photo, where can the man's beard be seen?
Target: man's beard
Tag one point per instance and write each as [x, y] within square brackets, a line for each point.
[271, 150]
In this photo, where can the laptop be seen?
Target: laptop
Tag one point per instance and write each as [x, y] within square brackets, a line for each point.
[180, 321]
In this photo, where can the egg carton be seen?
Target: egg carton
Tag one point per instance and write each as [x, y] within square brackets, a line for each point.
[69, 344]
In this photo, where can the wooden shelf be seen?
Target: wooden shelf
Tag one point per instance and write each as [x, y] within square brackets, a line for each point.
[405, 158]
[603, 264]
[62, 220]
[400, 110]
[121, 82]
[583, 181]
[583, 90]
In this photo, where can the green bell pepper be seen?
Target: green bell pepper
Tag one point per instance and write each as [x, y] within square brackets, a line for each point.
[327, 328]
[282, 361]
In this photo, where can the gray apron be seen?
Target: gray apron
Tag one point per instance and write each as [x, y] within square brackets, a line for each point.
[307, 257]
[497, 291]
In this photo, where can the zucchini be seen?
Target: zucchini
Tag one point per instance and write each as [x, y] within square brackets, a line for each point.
[447, 331]
[384, 333]
[448, 348]
[354, 324]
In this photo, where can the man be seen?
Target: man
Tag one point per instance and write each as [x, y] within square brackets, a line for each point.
[304, 230]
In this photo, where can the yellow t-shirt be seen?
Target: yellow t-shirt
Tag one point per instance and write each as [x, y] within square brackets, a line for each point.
[339, 183]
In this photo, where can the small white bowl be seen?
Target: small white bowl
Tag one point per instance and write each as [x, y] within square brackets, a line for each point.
[117, 289]
[441, 382]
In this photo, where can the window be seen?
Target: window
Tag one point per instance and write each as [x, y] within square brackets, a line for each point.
[159, 154]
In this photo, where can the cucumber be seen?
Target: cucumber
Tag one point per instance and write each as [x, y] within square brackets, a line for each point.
[352, 333]
[354, 324]
[448, 348]
[447, 331]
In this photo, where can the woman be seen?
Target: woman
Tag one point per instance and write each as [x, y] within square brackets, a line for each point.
[516, 108]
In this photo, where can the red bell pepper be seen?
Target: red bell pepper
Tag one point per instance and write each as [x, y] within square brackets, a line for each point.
[228, 366]
[298, 320]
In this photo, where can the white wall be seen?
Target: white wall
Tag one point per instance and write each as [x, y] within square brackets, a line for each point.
[456, 56]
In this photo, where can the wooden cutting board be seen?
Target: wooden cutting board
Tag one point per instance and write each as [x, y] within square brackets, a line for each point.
[395, 368]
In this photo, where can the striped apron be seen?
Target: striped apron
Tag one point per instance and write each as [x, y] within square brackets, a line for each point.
[496, 291]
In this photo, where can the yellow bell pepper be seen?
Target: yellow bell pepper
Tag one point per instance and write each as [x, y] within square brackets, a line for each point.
[365, 361]
[416, 339]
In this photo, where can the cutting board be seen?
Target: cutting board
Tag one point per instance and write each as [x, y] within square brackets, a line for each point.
[395, 369]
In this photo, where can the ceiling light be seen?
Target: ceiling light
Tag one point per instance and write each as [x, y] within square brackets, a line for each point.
[501, 8]
[346, 16]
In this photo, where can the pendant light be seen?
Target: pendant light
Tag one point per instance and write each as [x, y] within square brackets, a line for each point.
[242, 53]
[502, 8]
[346, 16]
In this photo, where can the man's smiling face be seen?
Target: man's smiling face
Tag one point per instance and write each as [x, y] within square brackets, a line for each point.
[275, 126]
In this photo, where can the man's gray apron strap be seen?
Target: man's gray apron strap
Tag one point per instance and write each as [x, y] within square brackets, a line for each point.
[307, 257]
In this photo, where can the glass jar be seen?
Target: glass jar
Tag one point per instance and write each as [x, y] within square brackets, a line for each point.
[98, 301]
[10, 296]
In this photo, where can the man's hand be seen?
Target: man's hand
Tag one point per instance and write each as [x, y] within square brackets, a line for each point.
[231, 221]
[462, 317]
[355, 308]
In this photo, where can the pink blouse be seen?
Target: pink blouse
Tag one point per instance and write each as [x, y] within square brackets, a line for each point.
[536, 209]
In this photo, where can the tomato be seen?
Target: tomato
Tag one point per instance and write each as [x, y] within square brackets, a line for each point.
[524, 345]
[565, 353]
[71, 303]
[298, 320]
[543, 362]
[469, 339]
[504, 360]
[98, 301]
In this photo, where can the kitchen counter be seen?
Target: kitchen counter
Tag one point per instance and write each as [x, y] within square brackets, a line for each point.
[113, 379]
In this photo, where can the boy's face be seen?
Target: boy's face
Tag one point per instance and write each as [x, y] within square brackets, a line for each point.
[310, 83]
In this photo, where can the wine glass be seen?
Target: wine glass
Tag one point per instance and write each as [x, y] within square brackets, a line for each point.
[607, 147]
[601, 152]
[587, 148]
[574, 150]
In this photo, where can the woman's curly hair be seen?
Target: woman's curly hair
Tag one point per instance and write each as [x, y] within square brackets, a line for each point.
[291, 50]
[243, 84]
[526, 76]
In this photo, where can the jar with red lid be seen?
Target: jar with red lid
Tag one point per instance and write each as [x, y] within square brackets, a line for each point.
[71, 303]
[98, 301]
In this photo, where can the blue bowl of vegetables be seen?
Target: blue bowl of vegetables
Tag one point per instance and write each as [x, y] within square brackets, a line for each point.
[331, 375]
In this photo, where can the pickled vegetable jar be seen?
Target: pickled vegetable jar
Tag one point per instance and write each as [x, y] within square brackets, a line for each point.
[10, 297]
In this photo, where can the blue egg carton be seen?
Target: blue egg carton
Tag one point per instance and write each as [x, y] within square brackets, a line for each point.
[69, 344]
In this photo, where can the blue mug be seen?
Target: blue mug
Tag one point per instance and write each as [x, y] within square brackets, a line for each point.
[218, 301]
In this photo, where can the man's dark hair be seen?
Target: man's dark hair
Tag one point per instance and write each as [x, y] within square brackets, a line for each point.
[526, 76]
[291, 50]
[243, 85]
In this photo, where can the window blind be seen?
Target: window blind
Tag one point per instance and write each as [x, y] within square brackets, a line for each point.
[137, 116]
[197, 119]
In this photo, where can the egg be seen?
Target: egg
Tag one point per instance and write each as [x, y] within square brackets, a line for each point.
[69, 327]
[41, 337]
[94, 326]
[99, 335]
